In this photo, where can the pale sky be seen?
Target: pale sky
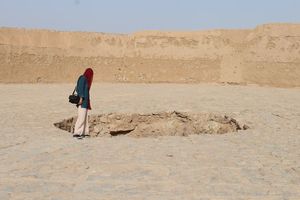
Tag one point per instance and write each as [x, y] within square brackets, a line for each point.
[126, 16]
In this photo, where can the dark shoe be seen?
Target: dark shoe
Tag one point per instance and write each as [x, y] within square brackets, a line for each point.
[76, 135]
[85, 135]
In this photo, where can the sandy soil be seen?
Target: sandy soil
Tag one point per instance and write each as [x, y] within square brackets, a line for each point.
[39, 161]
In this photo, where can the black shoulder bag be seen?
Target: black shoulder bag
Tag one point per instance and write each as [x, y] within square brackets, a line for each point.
[74, 98]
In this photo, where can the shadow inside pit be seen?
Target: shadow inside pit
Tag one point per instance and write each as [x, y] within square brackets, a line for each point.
[156, 124]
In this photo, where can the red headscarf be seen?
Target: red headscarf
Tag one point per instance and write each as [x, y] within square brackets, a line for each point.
[88, 74]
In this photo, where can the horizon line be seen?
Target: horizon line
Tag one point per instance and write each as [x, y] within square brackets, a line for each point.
[148, 30]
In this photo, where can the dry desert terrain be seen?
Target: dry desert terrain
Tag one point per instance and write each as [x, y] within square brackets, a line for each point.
[40, 161]
[245, 82]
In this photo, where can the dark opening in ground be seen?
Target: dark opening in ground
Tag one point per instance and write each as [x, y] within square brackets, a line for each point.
[156, 124]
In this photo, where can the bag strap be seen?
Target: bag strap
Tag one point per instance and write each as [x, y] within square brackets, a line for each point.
[76, 86]
[74, 90]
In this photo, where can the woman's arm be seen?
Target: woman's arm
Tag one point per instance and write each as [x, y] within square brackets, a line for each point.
[81, 89]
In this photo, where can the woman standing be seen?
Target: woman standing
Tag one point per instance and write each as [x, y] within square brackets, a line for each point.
[83, 90]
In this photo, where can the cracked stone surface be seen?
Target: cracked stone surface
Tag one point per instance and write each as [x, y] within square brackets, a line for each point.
[40, 161]
[156, 124]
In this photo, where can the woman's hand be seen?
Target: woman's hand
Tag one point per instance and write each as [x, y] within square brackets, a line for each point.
[80, 101]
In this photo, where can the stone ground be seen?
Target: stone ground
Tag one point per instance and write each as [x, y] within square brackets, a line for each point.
[39, 161]
[155, 124]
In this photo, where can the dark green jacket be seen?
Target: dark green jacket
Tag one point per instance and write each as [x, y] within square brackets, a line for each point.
[82, 90]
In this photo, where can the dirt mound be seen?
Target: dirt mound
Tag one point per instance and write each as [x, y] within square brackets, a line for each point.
[157, 124]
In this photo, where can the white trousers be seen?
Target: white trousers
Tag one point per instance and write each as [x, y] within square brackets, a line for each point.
[82, 123]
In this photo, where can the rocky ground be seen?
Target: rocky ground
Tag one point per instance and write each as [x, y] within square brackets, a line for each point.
[155, 124]
[40, 161]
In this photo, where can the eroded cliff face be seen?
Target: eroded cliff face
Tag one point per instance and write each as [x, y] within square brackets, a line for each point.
[267, 55]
